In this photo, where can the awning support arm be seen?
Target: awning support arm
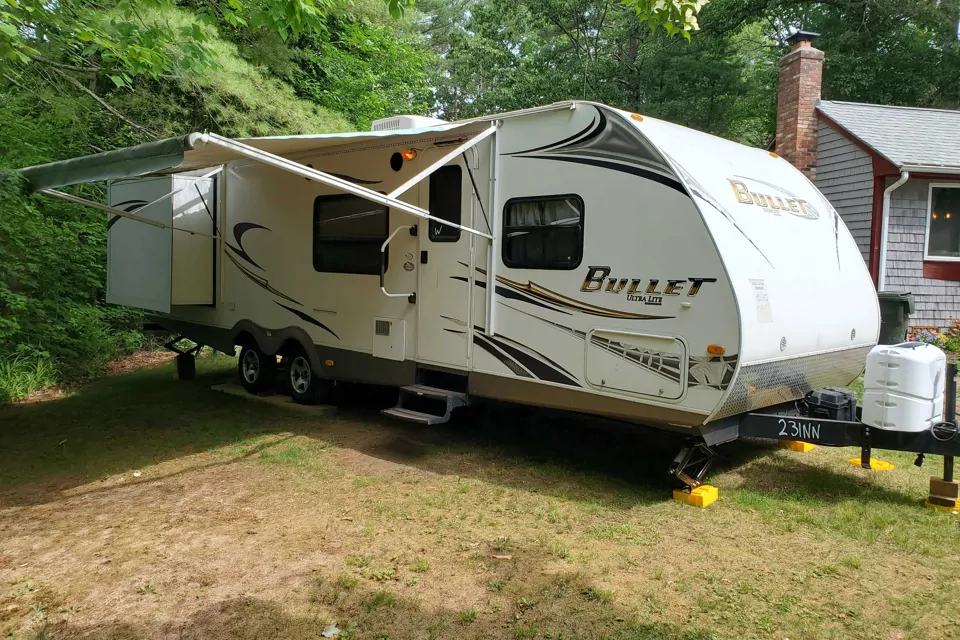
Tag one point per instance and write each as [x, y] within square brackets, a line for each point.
[176, 191]
[296, 168]
[442, 161]
[121, 212]
[494, 254]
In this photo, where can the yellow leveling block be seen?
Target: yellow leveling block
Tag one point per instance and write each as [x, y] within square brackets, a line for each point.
[953, 509]
[875, 465]
[794, 445]
[702, 496]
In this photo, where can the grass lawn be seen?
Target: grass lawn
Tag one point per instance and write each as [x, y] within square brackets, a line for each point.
[143, 507]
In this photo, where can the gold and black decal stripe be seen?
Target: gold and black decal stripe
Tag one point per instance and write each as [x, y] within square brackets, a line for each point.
[484, 343]
[306, 318]
[712, 372]
[539, 296]
[518, 361]
[574, 138]
[545, 369]
[622, 168]
[259, 281]
[512, 295]
[238, 230]
[572, 304]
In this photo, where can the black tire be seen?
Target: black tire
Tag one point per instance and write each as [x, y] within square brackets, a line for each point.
[258, 371]
[305, 386]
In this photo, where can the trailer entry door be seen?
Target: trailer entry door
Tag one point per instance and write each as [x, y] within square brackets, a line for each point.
[444, 249]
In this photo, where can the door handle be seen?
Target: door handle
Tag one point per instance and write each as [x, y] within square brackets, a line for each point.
[411, 297]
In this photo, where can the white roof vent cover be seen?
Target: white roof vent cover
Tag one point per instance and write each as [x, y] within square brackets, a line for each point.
[404, 122]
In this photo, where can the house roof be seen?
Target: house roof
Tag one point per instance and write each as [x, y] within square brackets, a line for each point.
[909, 137]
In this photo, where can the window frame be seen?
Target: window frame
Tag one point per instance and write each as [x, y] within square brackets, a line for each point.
[559, 196]
[926, 234]
[386, 234]
[431, 223]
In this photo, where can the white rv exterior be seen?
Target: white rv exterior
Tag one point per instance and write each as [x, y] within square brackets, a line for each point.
[642, 270]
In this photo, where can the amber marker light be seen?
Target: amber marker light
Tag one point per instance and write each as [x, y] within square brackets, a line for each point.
[637, 117]
[715, 350]
[409, 154]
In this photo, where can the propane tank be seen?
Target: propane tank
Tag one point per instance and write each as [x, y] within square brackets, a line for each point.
[903, 387]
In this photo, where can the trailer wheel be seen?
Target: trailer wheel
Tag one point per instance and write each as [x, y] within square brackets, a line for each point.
[305, 386]
[258, 371]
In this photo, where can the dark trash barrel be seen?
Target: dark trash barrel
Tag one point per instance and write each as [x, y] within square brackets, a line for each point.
[895, 310]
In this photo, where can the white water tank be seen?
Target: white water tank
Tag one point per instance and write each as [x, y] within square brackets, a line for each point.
[903, 387]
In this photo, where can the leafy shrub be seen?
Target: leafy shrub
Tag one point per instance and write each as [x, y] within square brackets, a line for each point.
[948, 339]
[52, 268]
[22, 375]
[930, 337]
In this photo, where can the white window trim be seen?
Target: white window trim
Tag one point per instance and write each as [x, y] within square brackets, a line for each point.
[926, 235]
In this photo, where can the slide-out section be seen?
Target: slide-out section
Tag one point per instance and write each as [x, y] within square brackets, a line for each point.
[153, 267]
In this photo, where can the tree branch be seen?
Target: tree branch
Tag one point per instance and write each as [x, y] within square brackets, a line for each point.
[35, 94]
[66, 67]
[103, 103]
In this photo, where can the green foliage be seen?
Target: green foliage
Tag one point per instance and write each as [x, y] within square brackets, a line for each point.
[497, 55]
[676, 16]
[120, 42]
[22, 375]
[885, 51]
[365, 70]
[51, 273]
[236, 98]
[53, 254]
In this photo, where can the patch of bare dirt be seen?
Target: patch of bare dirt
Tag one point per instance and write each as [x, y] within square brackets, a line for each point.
[138, 360]
[44, 395]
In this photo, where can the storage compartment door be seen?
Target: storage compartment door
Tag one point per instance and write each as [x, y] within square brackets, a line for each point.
[635, 363]
[194, 209]
[138, 254]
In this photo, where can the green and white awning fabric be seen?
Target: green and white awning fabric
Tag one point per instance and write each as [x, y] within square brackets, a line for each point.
[205, 150]
[200, 151]
[122, 163]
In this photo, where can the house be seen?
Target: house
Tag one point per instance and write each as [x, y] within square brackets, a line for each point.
[893, 175]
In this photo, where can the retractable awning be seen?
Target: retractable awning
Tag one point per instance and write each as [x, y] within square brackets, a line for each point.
[206, 150]
[193, 151]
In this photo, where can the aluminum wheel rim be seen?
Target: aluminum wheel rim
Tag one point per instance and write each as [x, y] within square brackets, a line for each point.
[300, 374]
[251, 366]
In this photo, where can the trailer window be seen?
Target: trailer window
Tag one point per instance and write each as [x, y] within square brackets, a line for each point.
[445, 184]
[543, 233]
[347, 234]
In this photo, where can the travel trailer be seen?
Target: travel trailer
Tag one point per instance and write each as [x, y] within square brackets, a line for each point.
[571, 256]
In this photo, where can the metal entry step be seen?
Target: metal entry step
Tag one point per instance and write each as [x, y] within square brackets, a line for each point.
[445, 400]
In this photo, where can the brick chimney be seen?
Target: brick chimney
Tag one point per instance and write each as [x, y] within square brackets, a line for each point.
[801, 74]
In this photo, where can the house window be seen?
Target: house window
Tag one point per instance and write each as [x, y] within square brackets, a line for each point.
[347, 234]
[543, 232]
[445, 190]
[943, 222]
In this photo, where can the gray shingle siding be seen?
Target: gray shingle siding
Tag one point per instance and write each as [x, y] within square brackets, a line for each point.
[845, 177]
[937, 301]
